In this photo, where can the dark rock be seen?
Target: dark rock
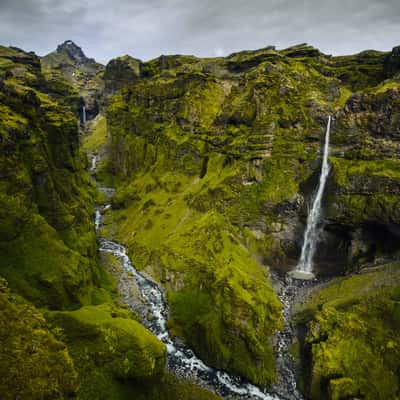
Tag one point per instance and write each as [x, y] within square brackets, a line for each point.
[302, 50]
[392, 62]
[121, 71]
[75, 52]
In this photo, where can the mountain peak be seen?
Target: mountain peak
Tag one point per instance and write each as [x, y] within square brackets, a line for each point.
[74, 51]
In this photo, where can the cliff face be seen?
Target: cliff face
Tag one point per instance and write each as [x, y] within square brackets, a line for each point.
[47, 241]
[264, 113]
[48, 254]
[217, 160]
[363, 194]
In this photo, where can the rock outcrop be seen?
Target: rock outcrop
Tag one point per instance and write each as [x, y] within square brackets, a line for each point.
[392, 62]
[83, 73]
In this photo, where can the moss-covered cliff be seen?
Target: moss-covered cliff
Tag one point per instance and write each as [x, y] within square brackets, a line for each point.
[89, 347]
[26, 343]
[352, 346]
[216, 160]
[47, 240]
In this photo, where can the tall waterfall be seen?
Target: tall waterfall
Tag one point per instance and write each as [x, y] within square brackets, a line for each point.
[305, 266]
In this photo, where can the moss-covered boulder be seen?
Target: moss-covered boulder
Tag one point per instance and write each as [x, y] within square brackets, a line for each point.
[109, 345]
[34, 363]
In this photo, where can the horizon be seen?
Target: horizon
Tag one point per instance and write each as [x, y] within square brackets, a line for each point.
[148, 29]
[193, 55]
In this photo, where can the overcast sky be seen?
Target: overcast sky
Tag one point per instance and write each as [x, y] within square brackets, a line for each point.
[147, 28]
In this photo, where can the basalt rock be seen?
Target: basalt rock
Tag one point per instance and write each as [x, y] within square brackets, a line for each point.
[74, 52]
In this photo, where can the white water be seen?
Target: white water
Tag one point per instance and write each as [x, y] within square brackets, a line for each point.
[83, 115]
[94, 163]
[181, 359]
[305, 266]
[286, 385]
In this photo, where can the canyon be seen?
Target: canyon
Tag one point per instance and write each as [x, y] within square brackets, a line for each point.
[153, 215]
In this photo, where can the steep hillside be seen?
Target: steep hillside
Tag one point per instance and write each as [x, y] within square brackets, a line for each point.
[60, 307]
[216, 161]
[351, 349]
[47, 240]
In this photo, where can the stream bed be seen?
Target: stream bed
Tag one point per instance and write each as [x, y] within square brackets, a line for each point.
[181, 359]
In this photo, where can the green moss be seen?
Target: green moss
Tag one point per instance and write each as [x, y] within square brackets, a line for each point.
[34, 364]
[345, 93]
[359, 71]
[172, 388]
[352, 336]
[108, 344]
[47, 240]
[387, 85]
[97, 136]
[186, 247]
[364, 191]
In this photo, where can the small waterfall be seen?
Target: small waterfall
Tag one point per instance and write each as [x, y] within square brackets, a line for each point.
[305, 266]
[94, 163]
[83, 115]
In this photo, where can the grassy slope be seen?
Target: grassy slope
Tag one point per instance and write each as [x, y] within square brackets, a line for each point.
[159, 385]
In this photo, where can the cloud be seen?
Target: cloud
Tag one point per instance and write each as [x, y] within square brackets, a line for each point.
[148, 28]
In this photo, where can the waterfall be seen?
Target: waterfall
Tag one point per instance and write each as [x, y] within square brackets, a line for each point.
[94, 163]
[305, 265]
[83, 115]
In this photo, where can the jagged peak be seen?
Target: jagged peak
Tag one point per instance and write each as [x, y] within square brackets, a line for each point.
[74, 51]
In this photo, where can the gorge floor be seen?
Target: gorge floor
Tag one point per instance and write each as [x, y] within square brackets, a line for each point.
[145, 296]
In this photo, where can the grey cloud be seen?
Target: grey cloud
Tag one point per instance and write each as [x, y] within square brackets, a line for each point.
[148, 28]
